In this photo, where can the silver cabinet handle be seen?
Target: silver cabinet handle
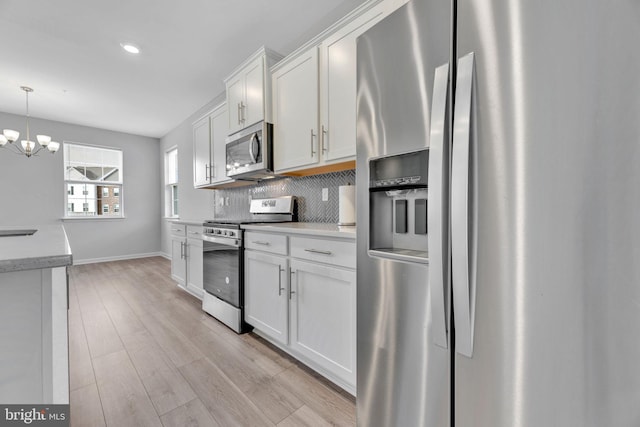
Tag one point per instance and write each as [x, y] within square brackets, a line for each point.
[312, 136]
[462, 218]
[206, 171]
[197, 233]
[176, 229]
[181, 250]
[242, 108]
[322, 134]
[238, 111]
[280, 288]
[317, 251]
[291, 291]
[438, 204]
[259, 242]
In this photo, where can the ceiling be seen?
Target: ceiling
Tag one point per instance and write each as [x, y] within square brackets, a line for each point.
[69, 52]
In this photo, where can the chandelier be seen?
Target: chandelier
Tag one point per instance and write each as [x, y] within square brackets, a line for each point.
[29, 148]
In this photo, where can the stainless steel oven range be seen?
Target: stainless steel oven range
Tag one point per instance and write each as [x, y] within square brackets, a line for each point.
[223, 259]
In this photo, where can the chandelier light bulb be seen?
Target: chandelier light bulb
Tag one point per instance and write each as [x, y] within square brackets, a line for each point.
[53, 146]
[11, 135]
[43, 140]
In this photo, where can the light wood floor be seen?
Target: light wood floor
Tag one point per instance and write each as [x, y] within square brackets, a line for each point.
[143, 353]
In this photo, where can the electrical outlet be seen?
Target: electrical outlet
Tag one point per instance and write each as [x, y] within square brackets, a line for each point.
[226, 201]
[325, 194]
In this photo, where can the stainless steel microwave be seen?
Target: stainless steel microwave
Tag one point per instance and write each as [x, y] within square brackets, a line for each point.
[250, 153]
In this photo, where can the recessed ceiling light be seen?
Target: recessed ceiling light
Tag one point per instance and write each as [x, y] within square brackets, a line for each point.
[131, 48]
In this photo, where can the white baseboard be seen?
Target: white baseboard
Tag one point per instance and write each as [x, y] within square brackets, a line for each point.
[117, 258]
[165, 255]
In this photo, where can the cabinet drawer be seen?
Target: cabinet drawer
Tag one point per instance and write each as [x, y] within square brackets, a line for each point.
[178, 230]
[194, 232]
[273, 243]
[336, 252]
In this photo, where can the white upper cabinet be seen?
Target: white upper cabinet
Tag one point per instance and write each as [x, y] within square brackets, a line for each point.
[201, 152]
[249, 91]
[338, 83]
[219, 131]
[314, 100]
[209, 154]
[295, 112]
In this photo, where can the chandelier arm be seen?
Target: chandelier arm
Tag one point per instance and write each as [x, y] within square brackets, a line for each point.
[17, 150]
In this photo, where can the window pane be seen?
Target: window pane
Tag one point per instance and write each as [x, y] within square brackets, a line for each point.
[92, 163]
[171, 166]
[112, 175]
[174, 200]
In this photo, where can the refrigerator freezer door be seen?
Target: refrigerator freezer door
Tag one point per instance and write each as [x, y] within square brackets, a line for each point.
[403, 377]
[558, 197]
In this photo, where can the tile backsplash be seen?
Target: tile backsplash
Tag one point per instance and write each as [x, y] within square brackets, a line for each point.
[308, 191]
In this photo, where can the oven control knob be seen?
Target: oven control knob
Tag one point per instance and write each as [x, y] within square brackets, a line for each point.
[231, 234]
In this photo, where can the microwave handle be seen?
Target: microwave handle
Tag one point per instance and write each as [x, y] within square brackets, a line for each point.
[252, 154]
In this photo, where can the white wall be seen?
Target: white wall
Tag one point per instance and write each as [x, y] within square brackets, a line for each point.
[32, 191]
[193, 204]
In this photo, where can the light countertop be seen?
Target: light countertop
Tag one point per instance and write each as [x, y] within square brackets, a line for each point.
[46, 248]
[188, 221]
[306, 228]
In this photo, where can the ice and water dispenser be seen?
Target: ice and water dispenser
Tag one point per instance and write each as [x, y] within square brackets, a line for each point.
[398, 206]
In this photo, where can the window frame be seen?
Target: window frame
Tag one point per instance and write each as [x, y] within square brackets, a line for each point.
[98, 214]
[172, 194]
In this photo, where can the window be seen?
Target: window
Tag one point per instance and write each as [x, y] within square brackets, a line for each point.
[93, 180]
[171, 182]
[116, 208]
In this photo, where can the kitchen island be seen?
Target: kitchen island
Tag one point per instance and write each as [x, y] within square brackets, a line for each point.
[34, 367]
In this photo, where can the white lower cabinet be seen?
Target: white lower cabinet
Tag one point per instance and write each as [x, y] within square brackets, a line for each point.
[323, 317]
[178, 257]
[186, 258]
[303, 299]
[267, 294]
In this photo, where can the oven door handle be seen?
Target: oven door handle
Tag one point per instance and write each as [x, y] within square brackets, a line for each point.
[221, 240]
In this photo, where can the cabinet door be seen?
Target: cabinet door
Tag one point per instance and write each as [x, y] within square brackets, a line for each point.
[178, 264]
[266, 294]
[201, 152]
[252, 109]
[219, 131]
[194, 267]
[338, 84]
[235, 98]
[323, 316]
[295, 112]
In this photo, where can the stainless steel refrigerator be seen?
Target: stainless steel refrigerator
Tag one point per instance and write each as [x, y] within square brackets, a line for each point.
[498, 212]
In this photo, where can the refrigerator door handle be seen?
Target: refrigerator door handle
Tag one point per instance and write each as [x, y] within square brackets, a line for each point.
[462, 238]
[437, 225]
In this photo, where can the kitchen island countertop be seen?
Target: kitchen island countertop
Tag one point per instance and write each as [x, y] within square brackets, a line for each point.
[48, 247]
[306, 228]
